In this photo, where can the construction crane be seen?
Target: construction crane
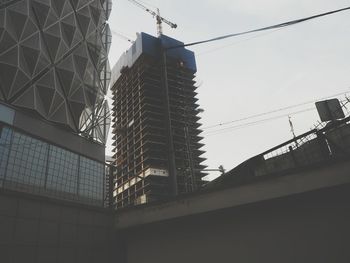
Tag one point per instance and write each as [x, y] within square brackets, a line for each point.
[156, 15]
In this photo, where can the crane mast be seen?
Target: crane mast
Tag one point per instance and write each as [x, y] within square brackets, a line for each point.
[157, 16]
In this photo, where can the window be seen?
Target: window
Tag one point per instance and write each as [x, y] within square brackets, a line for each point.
[91, 179]
[27, 161]
[31, 165]
[62, 174]
[5, 142]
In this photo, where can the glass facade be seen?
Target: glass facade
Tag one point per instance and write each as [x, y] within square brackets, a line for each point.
[26, 162]
[88, 179]
[5, 139]
[62, 176]
[31, 165]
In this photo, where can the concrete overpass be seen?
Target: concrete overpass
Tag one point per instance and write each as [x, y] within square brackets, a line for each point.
[299, 217]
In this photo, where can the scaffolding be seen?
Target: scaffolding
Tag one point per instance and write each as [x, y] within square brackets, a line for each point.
[141, 131]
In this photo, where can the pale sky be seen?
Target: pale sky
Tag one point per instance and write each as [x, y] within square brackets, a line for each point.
[248, 75]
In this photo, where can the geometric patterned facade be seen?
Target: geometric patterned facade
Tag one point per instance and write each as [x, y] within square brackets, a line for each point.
[54, 61]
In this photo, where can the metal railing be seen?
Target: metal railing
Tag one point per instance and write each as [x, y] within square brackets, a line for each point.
[316, 147]
[313, 147]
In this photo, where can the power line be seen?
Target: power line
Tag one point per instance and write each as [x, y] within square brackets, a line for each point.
[237, 42]
[281, 25]
[240, 126]
[273, 111]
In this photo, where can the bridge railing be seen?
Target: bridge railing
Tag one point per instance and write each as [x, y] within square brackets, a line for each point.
[314, 147]
[310, 148]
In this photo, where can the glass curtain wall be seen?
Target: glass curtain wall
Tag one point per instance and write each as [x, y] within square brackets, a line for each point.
[31, 165]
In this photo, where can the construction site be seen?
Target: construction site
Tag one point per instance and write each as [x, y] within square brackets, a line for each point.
[156, 129]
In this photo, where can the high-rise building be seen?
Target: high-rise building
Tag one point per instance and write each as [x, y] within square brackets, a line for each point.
[54, 75]
[156, 128]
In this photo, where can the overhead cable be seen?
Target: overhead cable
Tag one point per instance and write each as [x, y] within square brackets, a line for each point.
[273, 111]
[281, 25]
[248, 124]
[240, 126]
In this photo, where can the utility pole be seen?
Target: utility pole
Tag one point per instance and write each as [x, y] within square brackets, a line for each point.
[291, 126]
[292, 129]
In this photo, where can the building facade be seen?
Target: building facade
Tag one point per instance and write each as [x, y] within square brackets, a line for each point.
[54, 119]
[156, 128]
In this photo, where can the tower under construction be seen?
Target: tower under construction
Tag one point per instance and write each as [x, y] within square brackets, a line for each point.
[156, 129]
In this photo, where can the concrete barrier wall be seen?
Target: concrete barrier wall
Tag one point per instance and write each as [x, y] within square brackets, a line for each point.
[40, 230]
[309, 227]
